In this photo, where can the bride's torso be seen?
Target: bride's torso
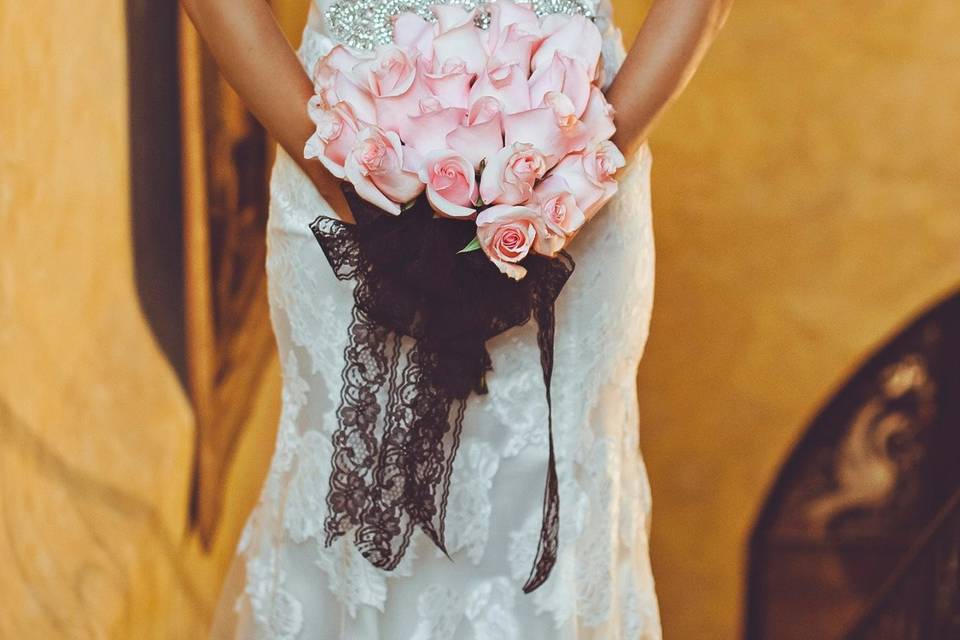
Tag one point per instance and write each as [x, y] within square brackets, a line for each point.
[602, 319]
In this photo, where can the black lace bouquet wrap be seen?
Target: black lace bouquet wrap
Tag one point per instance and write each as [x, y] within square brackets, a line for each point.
[416, 350]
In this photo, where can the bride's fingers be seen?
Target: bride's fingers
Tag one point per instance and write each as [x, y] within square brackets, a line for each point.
[329, 189]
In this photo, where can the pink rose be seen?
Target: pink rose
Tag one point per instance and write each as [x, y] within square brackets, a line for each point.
[450, 82]
[429, 129]
[560, 217]
[393, 80]
[335, 136]
[563, 75]
[511, 173]
[589, 176]
[338, 60]
[482, 136]
[334, 81]
[375, 167]
[451, 184]
[576, 37]
[504, 15]
[450, 16]
[412, 32]
[506, 233]
[598, 117]
[463, 43]
[484, 110]
[345, 59]
[391, 74]
[515, 45]
[553, 128]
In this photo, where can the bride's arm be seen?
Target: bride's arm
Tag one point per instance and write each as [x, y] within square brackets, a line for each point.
[672, 41]
[256, 59]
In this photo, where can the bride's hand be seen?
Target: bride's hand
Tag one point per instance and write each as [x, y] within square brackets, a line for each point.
[329, 188]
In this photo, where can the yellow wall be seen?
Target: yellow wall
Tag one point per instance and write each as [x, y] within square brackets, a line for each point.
[806, 202]
[96, 434]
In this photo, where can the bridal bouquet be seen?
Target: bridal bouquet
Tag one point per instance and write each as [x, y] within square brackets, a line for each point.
[505, 127]
[469, 131]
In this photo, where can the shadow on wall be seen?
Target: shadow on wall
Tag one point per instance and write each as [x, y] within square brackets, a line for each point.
[156, 202]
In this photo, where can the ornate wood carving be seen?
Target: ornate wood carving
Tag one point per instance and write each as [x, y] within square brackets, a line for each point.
[229, 341]
[922, 599]
[873, 470]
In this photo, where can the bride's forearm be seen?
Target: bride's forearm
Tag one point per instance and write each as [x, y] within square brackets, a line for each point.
[258, 62]
[671, 43]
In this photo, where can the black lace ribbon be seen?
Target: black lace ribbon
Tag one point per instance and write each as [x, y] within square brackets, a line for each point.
[421, 318]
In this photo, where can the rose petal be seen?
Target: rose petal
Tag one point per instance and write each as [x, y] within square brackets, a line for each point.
[359, 99]
[576, 37]
[515, 46]
[450, 16]
[539, 127]
[399, 185]
[366, 189]
[335, 136]
[591, 194]
[342, 60]
[393, 113]
[553, 236]
[410, 31]
[485, 109]
[505, 14]
[428, 131]
[513, 271]
[447, 208]
[477, 142]
[564, 75]
[461, 43]
[506, 83]
[598, 117]
[548, 245]
[452, 89]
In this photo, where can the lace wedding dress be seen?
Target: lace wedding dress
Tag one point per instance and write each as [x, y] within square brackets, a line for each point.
[285, 584]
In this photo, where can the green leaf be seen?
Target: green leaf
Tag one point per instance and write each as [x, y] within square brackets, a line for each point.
[473, 246]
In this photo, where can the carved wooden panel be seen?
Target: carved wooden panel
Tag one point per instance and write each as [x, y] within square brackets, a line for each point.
[872, 472]
[229, 340]
[921, 601]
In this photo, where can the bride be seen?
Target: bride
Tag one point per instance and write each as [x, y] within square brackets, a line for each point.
[286, 582]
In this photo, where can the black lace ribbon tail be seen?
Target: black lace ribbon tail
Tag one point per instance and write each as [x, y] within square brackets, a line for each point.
[550, 527]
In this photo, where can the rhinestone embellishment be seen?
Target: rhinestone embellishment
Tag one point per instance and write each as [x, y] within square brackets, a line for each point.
[366, 24]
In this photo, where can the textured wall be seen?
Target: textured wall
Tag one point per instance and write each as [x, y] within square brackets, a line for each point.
[96, 433]
[806, 202]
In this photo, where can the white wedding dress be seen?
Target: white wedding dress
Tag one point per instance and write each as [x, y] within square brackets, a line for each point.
[285, 585]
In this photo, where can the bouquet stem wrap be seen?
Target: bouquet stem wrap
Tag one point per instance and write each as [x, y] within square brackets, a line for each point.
[421, 318]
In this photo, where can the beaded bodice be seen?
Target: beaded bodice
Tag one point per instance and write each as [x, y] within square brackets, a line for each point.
[364, 24]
